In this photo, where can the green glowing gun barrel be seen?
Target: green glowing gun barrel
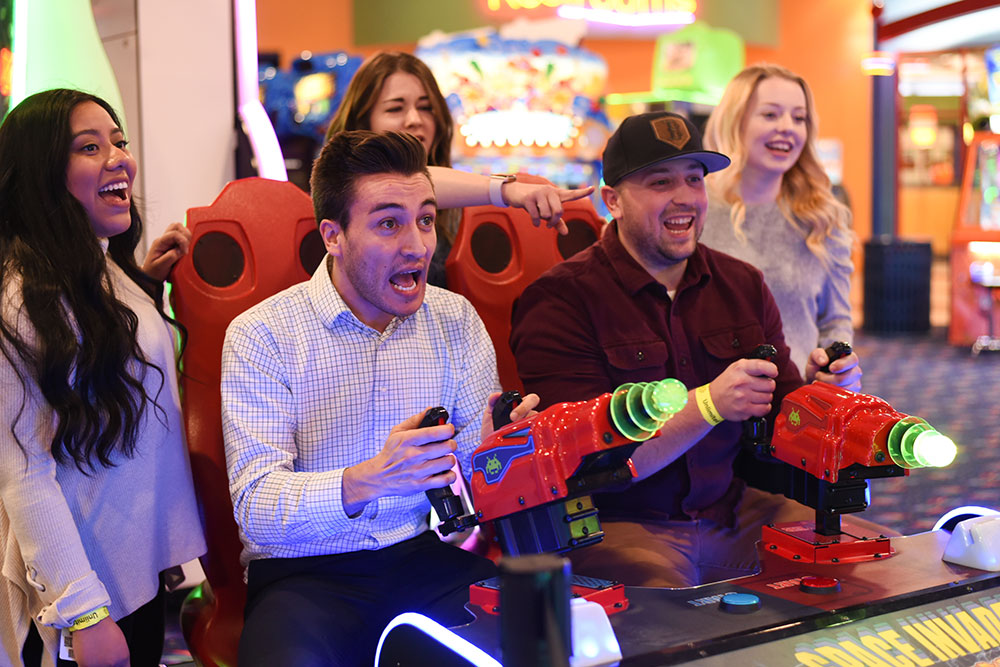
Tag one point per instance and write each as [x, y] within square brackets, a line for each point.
[640, 409]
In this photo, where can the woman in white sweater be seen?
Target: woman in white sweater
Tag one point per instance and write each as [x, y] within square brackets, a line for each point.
[774, 208]
[96, 498]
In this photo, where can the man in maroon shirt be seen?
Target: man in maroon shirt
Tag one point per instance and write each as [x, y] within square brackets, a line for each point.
[646, 302]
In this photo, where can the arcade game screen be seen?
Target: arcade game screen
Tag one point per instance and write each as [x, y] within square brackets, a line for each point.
[985, 200]
[301, 102]
[523, 106]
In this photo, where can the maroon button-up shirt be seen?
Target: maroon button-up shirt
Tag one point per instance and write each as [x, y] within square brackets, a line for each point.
[599, 320]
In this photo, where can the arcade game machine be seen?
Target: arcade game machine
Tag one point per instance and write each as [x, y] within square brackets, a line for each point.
[301, 102]
[523, 106]
[828, 593]
[975, 242]
[975, 249]
[691, 67]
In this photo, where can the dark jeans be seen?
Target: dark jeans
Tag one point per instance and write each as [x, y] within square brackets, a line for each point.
[331, 610]
[143, 630]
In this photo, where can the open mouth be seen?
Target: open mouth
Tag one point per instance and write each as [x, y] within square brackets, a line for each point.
[779, 146]
[406, 281]
[678, 224]
[115, 193]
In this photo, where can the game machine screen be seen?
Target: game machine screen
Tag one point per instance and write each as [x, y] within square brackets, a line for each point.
[6, 54]
[301, 102]
[523, 106]
[975, 245]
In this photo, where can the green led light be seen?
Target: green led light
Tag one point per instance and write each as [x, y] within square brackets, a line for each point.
[909, 439]
[913, 443]
[934, 450]
[895, 440]
[665, 398]
[638, 410]
[636, 407]
[620, 417]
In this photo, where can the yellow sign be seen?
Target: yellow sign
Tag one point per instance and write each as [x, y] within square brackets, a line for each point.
[918, 639]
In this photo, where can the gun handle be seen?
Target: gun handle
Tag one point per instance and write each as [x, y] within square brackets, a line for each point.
[764, 351]
[755, 428]
[835, 351]
[503, 407]
[444, 501]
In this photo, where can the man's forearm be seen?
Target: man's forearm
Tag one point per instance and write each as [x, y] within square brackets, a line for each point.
[677, 436]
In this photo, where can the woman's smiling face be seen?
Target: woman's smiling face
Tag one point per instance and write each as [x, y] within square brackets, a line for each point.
[776, 125]
[101, 170]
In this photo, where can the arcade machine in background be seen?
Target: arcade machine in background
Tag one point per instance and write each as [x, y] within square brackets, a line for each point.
[301, 102]
[975, 241]
[975, 249]
[691, 67]
[522, 106]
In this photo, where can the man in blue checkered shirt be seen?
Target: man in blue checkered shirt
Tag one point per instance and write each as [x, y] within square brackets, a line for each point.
[323, 388]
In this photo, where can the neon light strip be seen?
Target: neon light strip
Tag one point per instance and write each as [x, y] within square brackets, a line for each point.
[625, 20]
[442, 635]
[256, 124]
[19, 66]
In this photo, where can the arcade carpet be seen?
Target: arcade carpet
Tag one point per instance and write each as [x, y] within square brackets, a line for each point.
[918, 374]
[959, 395]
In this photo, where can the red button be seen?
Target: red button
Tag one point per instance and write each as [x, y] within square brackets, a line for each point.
[819, 585]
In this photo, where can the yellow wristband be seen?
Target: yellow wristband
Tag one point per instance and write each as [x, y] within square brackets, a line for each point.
[87, 620]
[703, 397]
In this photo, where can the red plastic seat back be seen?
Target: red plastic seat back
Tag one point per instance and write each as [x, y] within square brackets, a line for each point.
[257, 238]
[498, 252]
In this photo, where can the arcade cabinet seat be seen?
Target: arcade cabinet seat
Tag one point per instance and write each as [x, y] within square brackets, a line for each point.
[498, 252]
[258, 237]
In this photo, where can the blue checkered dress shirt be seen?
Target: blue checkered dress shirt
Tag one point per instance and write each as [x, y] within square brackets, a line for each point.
[308, 390]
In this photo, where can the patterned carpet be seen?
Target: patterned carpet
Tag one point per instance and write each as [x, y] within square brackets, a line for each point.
[959, 395]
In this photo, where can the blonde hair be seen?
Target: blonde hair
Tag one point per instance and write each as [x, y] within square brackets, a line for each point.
[806, 197]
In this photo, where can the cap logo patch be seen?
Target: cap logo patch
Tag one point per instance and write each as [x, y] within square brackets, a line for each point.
[671, 131]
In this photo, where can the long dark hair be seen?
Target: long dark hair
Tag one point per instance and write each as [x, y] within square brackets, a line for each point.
[81, 349]
[355, 110]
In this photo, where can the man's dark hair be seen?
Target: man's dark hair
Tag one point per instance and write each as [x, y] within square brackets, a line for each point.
[349, 156]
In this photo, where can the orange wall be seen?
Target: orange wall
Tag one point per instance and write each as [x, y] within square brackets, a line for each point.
[630, 63]
[823, 40]
[329, 26]
[322, 26]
